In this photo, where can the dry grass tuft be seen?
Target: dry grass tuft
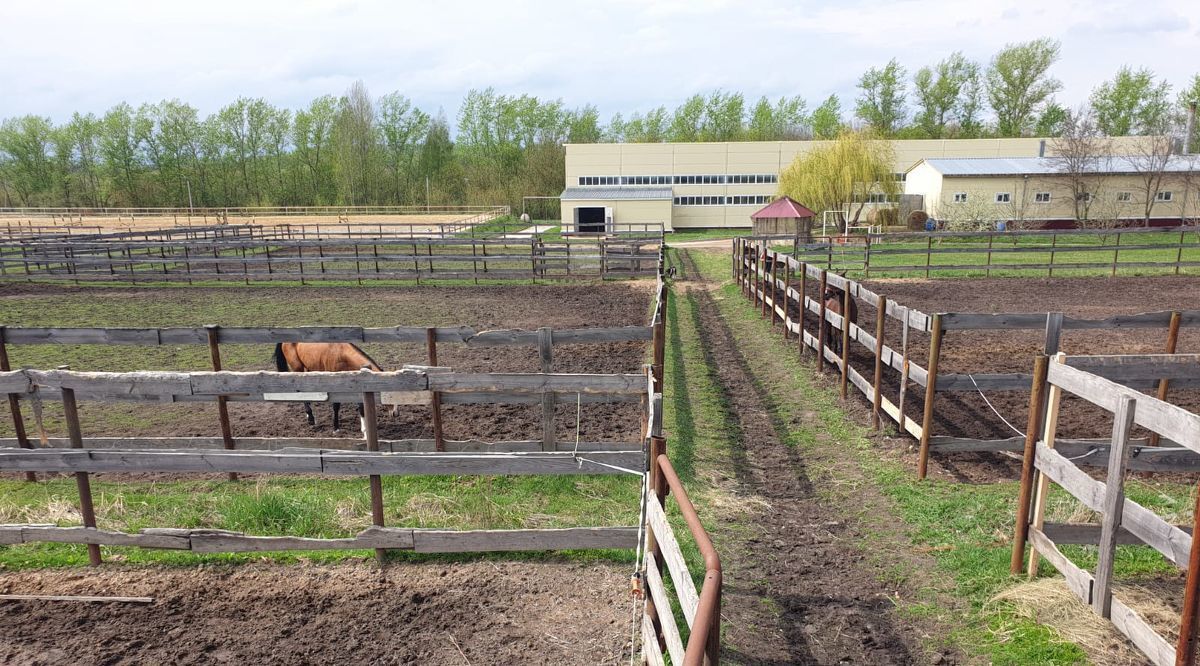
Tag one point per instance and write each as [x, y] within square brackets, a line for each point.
[1049, 602]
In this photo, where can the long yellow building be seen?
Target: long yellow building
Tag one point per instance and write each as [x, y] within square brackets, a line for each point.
[613, 186]
[1113, 189]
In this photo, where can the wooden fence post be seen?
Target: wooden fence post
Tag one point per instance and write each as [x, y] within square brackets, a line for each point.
[1114, 504]
[803, 304]
[660, 341]
[1185, 649]
[775, 288]
[371, 433]
[1049, 432]
[821, 321]
[1163, 384]
[86, 509]
[877, 401]
[435, 397]
[214, 352]
[1036, 394]
[764, 278]
[935, 352]
[846, 300]
[14, 404]
[787, 298]
[546, 356]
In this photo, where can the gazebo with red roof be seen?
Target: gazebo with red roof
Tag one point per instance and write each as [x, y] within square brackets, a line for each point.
[784, 216]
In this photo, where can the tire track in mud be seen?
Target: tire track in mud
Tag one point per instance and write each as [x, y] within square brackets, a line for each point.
[798, 590]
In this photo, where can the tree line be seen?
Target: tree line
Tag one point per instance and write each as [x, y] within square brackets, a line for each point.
[356, 149]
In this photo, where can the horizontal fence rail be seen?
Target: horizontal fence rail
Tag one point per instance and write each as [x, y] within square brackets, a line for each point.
[1121, 519]
[1103, 251]
[259, 259]
[768, 279]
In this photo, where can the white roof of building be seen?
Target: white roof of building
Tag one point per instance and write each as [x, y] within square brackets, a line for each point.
[615, 193]
[1039, 166]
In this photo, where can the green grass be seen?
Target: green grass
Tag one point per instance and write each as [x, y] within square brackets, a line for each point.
[965, 528]
[1010, 250]
[311, 507]
[682, 235]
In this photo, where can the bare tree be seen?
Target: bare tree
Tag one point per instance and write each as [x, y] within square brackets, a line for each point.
[1081, 158]
[1149, 162]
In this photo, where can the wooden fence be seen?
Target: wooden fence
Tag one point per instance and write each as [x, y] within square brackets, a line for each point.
[1122, 519]
[981, 253]
[259, 258]
[767, 277]
[191, 215]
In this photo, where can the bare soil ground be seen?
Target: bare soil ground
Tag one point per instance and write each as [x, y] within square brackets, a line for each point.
[799, 588]
[435, 613]
[967, 414]
[527, 307]
[153, 222]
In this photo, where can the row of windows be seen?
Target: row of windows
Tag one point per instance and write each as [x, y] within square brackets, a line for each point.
[738, 200]
[1046, 197]
[731, 179]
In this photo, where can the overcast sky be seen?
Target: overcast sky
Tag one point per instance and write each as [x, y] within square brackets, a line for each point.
[60, 57]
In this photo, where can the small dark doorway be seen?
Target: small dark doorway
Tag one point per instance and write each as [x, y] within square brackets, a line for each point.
[589, 220]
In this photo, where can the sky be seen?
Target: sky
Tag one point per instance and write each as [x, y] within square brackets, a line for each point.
[620, 55]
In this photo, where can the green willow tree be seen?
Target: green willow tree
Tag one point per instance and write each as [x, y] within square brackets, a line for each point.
[842, 176]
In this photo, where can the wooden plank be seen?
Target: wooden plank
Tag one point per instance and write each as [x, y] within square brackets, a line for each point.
[1167, 539]
[1114, 503]
[1146, 366]
[1167, 420]
[1078, 580]
[298, 461]
[1037, 320]
[571, 538]
[1130, 623]
[343, 443]
[652, 653]
[685, 588]
[658, 592]
[43, 533]
[374, 537]
[1089, 534]
[538, 382]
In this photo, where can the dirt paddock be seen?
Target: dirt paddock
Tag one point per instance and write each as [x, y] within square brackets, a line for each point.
[967, 414]
[435, 613]
[490, 307]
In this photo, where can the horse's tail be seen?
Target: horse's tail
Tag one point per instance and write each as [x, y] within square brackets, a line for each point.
[281, 363]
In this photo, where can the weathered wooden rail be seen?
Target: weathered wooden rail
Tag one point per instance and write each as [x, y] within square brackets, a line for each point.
[768, 278]
[259, 258]
[1122, 519]
[924, 253]
[290, 456]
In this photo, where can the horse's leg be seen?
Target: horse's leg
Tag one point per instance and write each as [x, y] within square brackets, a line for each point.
[337, 421]
[312, 421]
[362, 419]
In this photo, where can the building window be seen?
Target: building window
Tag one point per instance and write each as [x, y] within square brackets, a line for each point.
[1041, 197]
[1165, 195]
[1003, 197]
[1084, 197]
[960, 197]
[1124, 197]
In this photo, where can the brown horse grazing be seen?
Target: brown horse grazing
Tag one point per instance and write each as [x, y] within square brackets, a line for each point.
[833, 303]
[324, 357]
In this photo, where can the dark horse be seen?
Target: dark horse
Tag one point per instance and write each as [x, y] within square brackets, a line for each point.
[833, 303]
[324, 357]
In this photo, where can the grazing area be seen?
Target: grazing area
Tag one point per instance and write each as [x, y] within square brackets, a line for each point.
[430, 613]
[494, 307]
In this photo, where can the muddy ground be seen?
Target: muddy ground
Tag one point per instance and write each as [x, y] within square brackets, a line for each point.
[435, 613]
[967, 414]
[800, 590]
[483, 308]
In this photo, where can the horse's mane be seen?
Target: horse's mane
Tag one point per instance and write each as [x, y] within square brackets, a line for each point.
[366, 356]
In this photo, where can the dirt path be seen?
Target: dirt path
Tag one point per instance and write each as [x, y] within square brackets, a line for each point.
[798, 590]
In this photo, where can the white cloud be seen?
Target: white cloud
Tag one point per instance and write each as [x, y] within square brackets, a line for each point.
[622, 56]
